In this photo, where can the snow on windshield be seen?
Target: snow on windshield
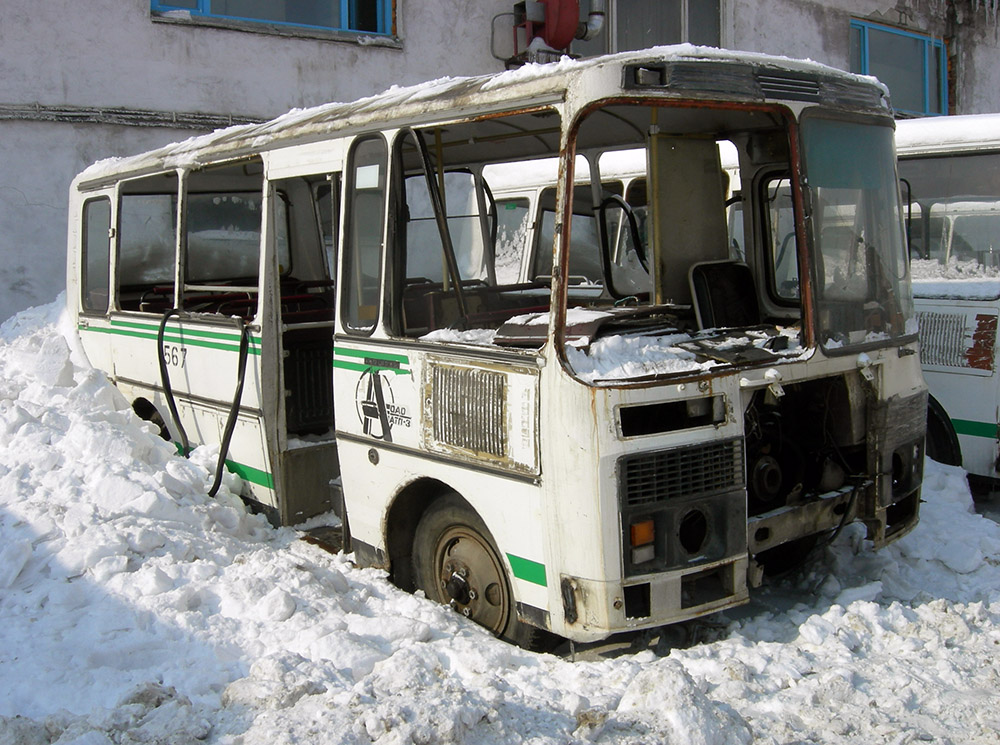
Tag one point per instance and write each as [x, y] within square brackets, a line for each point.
[627, 356]
[135, 609]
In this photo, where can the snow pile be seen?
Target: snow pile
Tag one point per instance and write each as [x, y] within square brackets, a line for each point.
[958, 280]
[137, 610]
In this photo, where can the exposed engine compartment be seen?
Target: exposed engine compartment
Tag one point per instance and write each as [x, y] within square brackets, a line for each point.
[803, 443]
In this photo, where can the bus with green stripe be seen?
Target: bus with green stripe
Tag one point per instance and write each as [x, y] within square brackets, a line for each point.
[623, 433]
[950, 181]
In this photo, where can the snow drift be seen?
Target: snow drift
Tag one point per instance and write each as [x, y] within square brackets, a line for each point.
[134, 609]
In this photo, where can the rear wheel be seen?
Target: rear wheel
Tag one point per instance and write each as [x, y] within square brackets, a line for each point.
[942, 442]
[455, 562]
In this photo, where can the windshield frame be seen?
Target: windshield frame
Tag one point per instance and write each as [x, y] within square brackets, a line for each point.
[898, 293]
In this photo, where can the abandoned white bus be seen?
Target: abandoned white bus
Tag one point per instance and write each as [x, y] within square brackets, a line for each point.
[570, 451]
[950, 176]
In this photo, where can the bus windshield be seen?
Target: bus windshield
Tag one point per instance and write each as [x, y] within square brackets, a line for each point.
[862, 275]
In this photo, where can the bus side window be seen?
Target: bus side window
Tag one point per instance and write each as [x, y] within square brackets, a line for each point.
[363, 234]
[147, 238]
[96, 260]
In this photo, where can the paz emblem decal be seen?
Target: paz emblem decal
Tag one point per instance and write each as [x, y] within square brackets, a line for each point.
[376, 405]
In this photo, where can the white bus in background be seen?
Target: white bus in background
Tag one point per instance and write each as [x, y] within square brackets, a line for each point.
[525, 201]
[621, 436]
[950, 181]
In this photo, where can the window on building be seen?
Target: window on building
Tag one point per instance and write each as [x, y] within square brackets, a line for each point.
[364, 16]
[911, 64]
[637, 24]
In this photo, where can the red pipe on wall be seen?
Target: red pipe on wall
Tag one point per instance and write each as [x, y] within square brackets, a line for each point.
[562, 18]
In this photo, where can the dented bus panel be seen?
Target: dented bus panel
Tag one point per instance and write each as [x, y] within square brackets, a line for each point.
[596, 408]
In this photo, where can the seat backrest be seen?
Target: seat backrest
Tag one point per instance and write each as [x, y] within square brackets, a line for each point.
[723, 294]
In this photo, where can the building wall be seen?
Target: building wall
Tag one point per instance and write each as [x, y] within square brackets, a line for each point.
[67, 65]
[62, 60]
[819, 30]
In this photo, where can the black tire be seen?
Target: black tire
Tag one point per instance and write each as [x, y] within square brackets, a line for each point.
[145, 410]
[455, 562]
[942, 442]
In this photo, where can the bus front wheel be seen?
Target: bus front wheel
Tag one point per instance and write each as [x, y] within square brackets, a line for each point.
[455, 562]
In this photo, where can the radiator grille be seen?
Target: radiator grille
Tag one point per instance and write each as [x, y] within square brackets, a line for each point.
[469, 409]
[684, 472]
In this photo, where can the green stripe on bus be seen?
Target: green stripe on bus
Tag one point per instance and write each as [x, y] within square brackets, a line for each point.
[184, 332]
[175, 336]
[253, 475]
[363, 360]
[528, 570]
[247, 473]
[975, 429]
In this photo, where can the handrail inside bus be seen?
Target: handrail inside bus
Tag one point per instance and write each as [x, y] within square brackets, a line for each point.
[221, 288]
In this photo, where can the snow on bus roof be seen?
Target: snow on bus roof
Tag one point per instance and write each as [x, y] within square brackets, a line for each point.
[408, 102]
[944, 133]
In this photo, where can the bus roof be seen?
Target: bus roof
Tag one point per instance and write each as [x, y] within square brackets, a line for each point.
[946, 134]
[752, 76]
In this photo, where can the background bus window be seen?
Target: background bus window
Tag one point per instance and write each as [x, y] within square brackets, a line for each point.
[584, 249]
[96, 255]
[424, 249]
[364, 230]
[512, 238]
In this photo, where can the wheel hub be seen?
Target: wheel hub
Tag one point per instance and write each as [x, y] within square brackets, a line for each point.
[458, 588]
[470, 578]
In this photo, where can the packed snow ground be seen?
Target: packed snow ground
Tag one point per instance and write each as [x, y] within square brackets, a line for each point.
[133, 609]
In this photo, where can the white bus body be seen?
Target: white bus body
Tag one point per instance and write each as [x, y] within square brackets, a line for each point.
[950, 177]
[620, 435]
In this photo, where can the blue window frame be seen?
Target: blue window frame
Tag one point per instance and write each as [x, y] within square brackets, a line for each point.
[359, 16]
[913, 65]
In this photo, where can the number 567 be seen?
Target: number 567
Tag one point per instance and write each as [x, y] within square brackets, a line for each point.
[174, 355]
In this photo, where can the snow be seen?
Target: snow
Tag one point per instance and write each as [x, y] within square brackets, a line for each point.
[532, 80]
[619, 357]
[943, 133]
[137, 610]
[956, 280]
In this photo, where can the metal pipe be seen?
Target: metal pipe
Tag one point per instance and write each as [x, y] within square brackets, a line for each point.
[595, 21]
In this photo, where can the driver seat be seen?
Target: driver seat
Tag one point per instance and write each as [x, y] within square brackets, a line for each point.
[723, 294]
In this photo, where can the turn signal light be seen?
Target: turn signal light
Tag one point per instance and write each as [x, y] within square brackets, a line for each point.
[641, 536]
[641, 533]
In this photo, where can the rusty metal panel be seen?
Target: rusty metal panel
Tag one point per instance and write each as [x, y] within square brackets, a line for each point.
[949, 340]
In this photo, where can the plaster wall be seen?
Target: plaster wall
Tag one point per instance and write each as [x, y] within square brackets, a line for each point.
[820, 31]
[37, 162]
[110, 53]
